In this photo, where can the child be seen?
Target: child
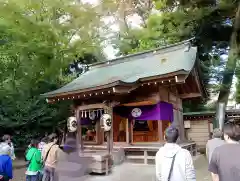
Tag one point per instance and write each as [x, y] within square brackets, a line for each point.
[5, 164]
[7, 140]
[33, 156]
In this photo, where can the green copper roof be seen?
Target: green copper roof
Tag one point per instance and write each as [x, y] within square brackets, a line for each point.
[132, 68]
[198, 113]
[203, 113]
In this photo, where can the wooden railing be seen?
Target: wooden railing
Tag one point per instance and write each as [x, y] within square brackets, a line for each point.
[146, 154]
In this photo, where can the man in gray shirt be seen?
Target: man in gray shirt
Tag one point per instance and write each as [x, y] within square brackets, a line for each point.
[225, 161]
[213, 143]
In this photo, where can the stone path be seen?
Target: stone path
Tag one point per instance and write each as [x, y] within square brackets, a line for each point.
[133, 172]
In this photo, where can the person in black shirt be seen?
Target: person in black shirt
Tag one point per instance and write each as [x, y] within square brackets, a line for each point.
[225, 160]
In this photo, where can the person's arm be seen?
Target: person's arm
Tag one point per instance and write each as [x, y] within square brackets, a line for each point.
[207, 153]
[44, 152]
[28, 155]
[189, 168]
[207, 150]
[213, 167]
[9, 169]
[158, 167]
[12, 152]
[55, 153]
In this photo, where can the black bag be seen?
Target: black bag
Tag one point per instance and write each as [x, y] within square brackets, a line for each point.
[39, 176]
[171, 169]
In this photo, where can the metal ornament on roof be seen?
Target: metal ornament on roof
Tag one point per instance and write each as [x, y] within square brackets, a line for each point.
[136, 112]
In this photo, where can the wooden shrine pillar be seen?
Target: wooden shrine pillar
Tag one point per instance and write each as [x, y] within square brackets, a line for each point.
[127, 132]
[160, 131]
[109, 110]
[180, 121]
[110, 133]
[131, 140]
[79, 130]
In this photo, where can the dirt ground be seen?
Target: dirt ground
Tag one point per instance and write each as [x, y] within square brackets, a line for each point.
[125, 171]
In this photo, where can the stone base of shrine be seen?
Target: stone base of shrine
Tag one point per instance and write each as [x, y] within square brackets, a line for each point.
[101, 161]
[141, 153]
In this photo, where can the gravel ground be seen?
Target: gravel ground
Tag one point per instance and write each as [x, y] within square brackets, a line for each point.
[125, 171]
[19, 172]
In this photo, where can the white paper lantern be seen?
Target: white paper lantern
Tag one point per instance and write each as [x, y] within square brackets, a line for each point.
[72, 124]
[107, 122]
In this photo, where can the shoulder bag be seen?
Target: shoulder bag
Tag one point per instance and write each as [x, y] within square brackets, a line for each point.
[45, 159]
[171, 169]
[29, 161]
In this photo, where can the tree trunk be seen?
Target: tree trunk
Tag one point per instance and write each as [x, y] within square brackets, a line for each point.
[231, 63]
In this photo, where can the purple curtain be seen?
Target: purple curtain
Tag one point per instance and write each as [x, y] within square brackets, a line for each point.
[85, 121]
[161, 111]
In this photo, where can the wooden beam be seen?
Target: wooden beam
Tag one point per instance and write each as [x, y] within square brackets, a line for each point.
[190, 95]
[93, 106]
[124, 89]
[165, 76]
[106, 87]
[151, 97]
[142, 103]
[181, 78]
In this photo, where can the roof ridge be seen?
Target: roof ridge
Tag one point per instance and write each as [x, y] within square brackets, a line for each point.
[141, 53]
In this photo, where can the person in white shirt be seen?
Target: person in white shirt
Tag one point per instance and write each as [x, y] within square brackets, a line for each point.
[174, 163]
[6, 140]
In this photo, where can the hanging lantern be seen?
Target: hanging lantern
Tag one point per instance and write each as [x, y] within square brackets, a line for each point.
[72, 124]
[107, 122]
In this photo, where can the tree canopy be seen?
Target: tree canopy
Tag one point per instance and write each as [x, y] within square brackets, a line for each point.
[170, 21]
[38, 40]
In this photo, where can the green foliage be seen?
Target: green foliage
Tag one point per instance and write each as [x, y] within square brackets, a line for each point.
[38, 40]
[174, 21]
